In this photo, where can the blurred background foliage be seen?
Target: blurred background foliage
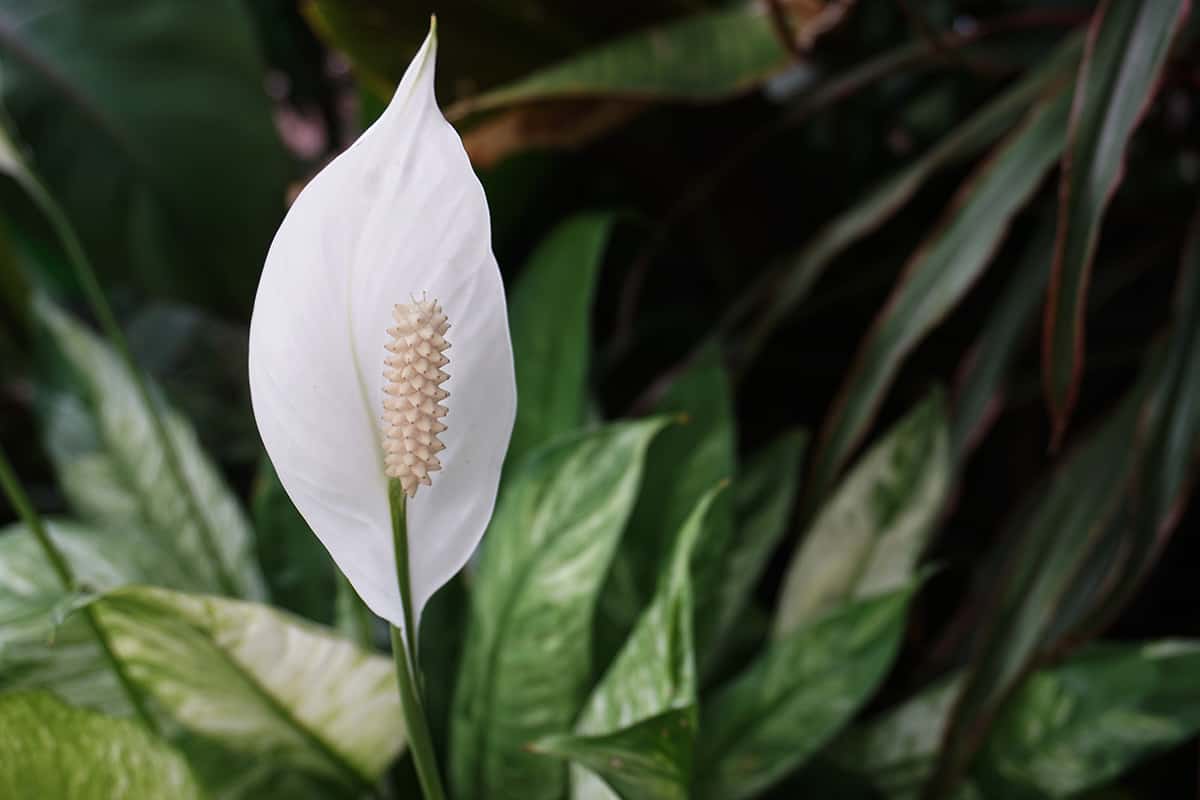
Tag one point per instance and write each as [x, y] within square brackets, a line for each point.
[919, 276]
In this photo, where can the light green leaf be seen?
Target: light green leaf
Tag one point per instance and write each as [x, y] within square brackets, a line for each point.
[259, 681]
[764, 495]
[707, 56]
[649, 760]
[112, 466]
[795, 696]
[868, 537]
[106, 95]
[1127, 46]
[550, 316]
[51, 750]
[940, 273]
[683, 464]
[654, 673]
[791, 285]
[528, 649]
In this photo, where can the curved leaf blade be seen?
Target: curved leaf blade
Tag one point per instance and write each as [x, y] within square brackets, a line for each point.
[527, 655]
[869, 535]
[52, 750]
[1126, 48]
[796, 696]
[550, 317]
[940, 273]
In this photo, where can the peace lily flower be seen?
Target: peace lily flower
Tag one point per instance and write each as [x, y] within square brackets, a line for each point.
[379, 348]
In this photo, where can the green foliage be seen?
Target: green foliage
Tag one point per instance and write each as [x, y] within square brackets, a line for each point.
[827, 208]
[68, 753]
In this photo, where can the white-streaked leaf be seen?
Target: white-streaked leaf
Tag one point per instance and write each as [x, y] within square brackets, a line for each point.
[653, 674]
[868, 537]
[527, 657]
[51, 750]
[113, 466]
[398, 215]
[258, 680]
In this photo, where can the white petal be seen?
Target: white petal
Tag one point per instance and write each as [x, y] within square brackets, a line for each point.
[399, 213]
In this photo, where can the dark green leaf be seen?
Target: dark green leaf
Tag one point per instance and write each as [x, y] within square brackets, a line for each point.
[112, 465]
[550, 316]
[50, 750]
[649, 760]
[1126, 48]
[148, 121]
[940, 273]
[708, 56]
[764, 495]
[992, 354]
[528, 650]
[787, 288]
[869, 535]
[299, 572]
[683, 464]
[797, 695]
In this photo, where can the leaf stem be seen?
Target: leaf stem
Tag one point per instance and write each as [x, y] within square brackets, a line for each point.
[33, 521]
[92, 290]
[404, 651]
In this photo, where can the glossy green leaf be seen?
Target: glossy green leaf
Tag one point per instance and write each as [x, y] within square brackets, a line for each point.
[990, 358]
[299, 572]
[802, 689]
[787, 287]
[1068, 729]
[941, 272]
[765, 493]
[683, 464]
[707, 56]
[1080, 725]
[550, 316]
[109, 98]
[259, 681]
[869, 535]
[1126, 48]
[111, 464]
[527, 658]
[654, 673]
[649, 760]
[51, 750]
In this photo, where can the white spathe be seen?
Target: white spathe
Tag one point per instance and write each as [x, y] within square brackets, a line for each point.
[398, 215]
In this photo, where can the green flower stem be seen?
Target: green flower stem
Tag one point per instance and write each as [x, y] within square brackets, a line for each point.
[404, 651]
[24, 507]
[108, 323]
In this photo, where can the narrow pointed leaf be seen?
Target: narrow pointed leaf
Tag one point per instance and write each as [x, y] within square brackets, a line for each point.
[775, 715]
[397, 219]
[259, 681]
[111, 464]
[801, 272]
[105, 95]
[551, 311]
[708, 56]
[649, 760]
[528, 651]
[765, 493]
[654, 673]
[1126, 48]
[52, 750]
[940, 273]
[870, 534]
[980, 386]
[683, 464]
